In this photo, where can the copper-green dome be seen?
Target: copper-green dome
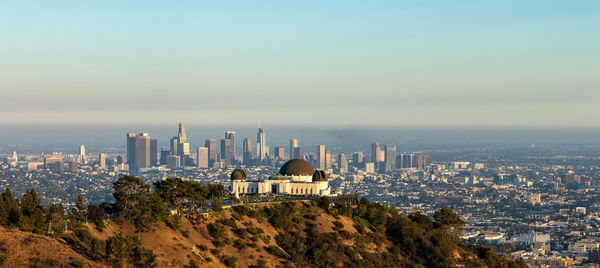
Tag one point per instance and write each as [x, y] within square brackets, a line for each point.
[296, 167]
[238, 174]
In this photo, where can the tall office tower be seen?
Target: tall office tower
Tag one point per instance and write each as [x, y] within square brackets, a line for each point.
[211, 144]
[405, 161]
[138, 150]
[183, 149]
[328, 160]
[400, 161]
[182, 138]
[174, 145]
[321, 157]
[261, 138]
[342, 164]
[390, 157]
[226, 151]
[82, 154]
[163, 156]
[202, 157]
[280, 152]
[412, 160]
[153, 152]
[293, 146]
[421, 162]
[173, 161]
[102, 161]
[247, 154]
[358, 159]
[297, 154]
[376, 153]
[231, 136]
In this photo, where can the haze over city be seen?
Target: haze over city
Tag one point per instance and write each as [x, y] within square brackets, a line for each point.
[309, 63]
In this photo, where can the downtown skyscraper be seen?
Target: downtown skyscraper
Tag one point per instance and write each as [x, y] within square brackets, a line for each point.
[390, 157]
[247, 152]
[139, 151]
[211, 144]
[321, 157]
[261, 143]
[294, 149]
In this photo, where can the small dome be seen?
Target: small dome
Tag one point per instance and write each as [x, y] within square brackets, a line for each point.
[238, 174]
[296, 167]
[319, 175]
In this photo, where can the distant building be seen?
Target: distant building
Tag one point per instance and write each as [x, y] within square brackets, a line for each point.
[202, 157]
[13, 159]
[211, 144]
[390, 157]
[82, 158]
[358, 159]
[342, 164]
[279, 153]
[321, 156]
[328, 160]
[421, 162]
[247, 152]
[261, 143]
[227, 151]
[54, 162]
[139, 151]
[173, 161]
[293, 146]
[230, 135]
[102, 161]
[370, 167]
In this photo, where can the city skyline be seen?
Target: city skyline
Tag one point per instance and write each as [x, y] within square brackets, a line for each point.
[464, 63]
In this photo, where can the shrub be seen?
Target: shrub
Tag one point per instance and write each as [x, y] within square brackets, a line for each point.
[229, 261]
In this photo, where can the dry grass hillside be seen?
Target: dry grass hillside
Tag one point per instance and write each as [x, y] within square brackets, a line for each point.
[25, 249]
[295, 234]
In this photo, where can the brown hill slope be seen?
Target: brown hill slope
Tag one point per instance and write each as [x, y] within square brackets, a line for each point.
[24, 249]
[293, 234]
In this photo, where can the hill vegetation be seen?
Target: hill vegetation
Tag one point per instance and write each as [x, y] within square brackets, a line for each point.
[148, 227]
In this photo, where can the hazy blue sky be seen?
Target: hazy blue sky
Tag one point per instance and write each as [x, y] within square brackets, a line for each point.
[346, 62]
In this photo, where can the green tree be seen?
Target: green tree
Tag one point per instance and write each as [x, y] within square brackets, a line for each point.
[56, 219]
[79, 210]
[11, 208]
[33, 214]
[135, 203]
[95, 214]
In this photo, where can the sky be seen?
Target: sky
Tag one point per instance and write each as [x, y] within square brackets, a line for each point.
[311, 63]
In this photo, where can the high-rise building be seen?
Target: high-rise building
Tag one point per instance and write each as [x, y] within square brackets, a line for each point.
[102, 161]
[231, 136]
[328, 160]
[358, 159]
[400, 161]
[202, 157]
[163, 155]
[174, 145]
[153, 152]
[413, 160]
[247, 152]
[377, 155]
[342, 164]
[261, 140]
[280, 152]
[138, 151]
[211, 144]
[293, 146]
[173, 161]
[421, 162]
[82, 158]
[182, 137]
[297, 153]
[227, 151]
[390, 157]
[321, 157]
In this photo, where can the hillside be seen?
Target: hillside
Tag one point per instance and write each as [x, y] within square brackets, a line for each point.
[294, 234]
